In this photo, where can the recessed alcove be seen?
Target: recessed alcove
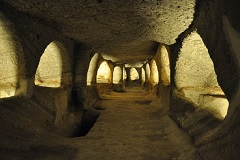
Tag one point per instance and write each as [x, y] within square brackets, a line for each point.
[54, 68]
[12, 63]
[196, 78]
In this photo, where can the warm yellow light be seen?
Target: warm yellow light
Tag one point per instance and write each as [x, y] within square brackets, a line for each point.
[143, 75]
[147, 77]
[104, 73]
[9, 92]
[194, 66]
[125, 74]
[218, 105]
[12, 66]
[133, 74]
[49, 71]
[117, 75]
[91, 69]
[154, 77]
[196, 78]
[165, 65]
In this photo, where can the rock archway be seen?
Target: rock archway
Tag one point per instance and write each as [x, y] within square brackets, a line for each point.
[104, 77]
[196, 78]
[12, 63]
[54, 69]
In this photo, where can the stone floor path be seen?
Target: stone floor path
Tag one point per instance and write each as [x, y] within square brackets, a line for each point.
[133, 126]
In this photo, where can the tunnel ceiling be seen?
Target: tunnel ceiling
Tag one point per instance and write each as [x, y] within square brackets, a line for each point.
[122, 29]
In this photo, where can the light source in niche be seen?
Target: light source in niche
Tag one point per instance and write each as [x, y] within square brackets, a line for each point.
[133, 74]
[104, 73]
[196, 79]
[12, 63]
[49, 69]
[154, 77]
[117, 75]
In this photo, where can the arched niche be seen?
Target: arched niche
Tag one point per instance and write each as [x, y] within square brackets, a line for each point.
[92, 70]
[12, 63]
[117, 75]
[133, 74]
[195, 76]
[54, 69]
[104, 74]
[164, 65]
[154, 77]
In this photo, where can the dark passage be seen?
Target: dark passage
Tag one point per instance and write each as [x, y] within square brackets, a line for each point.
[88, 120]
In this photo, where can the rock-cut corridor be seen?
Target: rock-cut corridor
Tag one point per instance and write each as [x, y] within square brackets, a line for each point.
[132, 126]
[119, 79]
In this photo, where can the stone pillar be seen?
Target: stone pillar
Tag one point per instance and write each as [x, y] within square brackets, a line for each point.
[92, 92]
[140, 74]
[139, 70]
[92, 70]
[128, 75]
[81, 64]
[111, 66]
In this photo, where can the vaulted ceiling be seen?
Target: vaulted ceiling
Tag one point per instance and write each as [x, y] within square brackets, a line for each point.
[122, 30]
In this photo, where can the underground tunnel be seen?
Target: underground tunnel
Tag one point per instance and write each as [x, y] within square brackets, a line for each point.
[120, 79]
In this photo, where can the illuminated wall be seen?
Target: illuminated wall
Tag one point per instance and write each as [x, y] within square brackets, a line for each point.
[117, 75]
[195, 76]
[154, 77]
[104, 74]
[143, 75]
[133, 74]
[164, 65]
[147, 71]
[12, 64]
[92, 70]
[54, 68]
[125, 74]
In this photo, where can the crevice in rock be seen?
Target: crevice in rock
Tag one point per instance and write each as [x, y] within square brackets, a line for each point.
[88, 120]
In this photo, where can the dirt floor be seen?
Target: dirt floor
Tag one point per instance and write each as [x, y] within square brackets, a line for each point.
[131, 125]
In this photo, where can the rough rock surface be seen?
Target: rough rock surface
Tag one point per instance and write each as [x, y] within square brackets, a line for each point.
[123, 31]
[124, 27]
[129, 127]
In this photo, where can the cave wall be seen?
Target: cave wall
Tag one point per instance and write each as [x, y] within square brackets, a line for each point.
[81, 64]
[118, 77]
[146, 86]
[162, 89]
[51, 107]
[216, 23]
[92, 94]
[107, 86]
[34, 36]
